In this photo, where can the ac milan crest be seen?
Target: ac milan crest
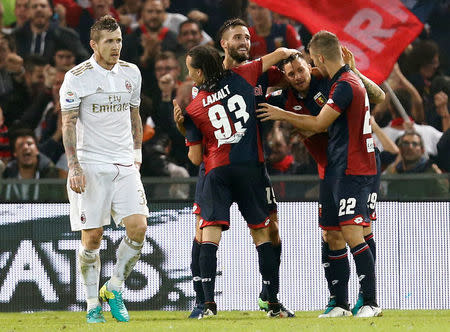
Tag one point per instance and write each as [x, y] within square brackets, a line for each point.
[128, 86]
[83, 218]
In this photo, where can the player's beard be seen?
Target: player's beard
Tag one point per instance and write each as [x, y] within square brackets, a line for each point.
[239, 57]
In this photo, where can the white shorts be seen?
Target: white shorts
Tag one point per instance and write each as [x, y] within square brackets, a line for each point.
[111, 190]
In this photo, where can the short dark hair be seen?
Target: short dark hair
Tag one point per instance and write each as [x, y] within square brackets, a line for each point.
[105, 23]
[165, 55]
[21, 132]
[210, 62]
[410, 132]
[290, 59]
[229, 24]
[32, 61]
[189, 21]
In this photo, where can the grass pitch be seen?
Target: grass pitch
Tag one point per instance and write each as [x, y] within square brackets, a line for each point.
[242, 321]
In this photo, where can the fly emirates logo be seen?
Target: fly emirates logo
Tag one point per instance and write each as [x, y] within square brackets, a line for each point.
[114, 104]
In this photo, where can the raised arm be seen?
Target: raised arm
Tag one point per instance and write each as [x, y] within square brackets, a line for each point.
[77, 180]
[375, 93]
[136, 131]
[276, 56]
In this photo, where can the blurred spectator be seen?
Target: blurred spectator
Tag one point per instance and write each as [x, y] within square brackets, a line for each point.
[413, 160]
[29, 97]
[28, 164]
[188, 37]
[48, 130]
[130, 13]
[174, 20]
[438, 113]
[64, 59]
[150, 37]
[398, 81]
[443, 147]
[22, 13]
[82, 19]
[11, 66]
[266, 35]
[397, 126]
[5, 153]
[40, 36]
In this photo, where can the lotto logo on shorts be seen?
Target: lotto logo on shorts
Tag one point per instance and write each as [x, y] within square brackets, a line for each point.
[358, 220]
[83, 218]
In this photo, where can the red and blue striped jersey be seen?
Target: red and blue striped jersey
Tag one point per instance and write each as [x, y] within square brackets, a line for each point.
[225, 121]
[290, 100]
[351, 149]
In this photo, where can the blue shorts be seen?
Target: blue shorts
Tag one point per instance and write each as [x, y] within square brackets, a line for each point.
[241, 183]
[344, 201]
[198, 189]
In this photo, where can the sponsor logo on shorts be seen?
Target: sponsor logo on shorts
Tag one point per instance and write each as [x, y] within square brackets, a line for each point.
[194, 208]
[361, 277]
[358, 220]
[297, 108]
[83, 218]
[128, 86]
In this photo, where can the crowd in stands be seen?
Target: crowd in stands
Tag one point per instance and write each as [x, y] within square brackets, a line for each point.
[40, 40]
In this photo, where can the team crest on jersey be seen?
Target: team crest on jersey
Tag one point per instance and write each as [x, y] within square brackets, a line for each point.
[320, 99]
[258, 90]
[128, 86]
[83, 218]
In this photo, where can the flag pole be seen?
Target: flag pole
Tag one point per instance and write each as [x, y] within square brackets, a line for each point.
[397, 103]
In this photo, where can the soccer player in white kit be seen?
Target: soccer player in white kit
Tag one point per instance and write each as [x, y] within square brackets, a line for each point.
[102, 135]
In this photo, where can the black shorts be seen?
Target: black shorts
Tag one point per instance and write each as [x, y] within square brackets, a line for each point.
[241, 183]
[343, 201]
[198, 189]
[271, 200]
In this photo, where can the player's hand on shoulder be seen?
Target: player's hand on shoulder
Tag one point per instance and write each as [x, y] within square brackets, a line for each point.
[77, 180]
[267, 112]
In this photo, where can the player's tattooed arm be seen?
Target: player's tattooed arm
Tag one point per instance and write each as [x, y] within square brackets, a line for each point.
[136, 127]
[77, 180]
[375, 93]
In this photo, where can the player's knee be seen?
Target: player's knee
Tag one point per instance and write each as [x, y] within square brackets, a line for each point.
[335, 240]
[92, 238]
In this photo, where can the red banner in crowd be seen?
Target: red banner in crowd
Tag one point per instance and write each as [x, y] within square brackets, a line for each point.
[376, 31]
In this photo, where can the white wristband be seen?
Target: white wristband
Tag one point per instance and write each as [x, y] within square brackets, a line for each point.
[138, 156]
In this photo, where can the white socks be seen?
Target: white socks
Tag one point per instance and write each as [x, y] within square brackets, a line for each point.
[127, 256]
[90, 274]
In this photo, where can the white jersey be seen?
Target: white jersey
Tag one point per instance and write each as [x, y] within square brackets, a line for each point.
[103, 98]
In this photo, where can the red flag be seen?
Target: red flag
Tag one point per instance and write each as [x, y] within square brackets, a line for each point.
[376, 31]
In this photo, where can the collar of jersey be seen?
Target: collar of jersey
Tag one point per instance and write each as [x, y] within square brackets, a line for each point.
[102, 70]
